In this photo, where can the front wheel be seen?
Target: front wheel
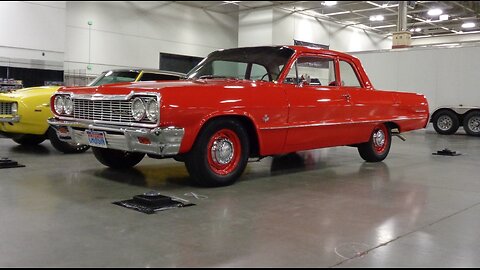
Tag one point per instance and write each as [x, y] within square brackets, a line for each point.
[220, 154]
[377, 148]
[65, 147]
[117, 159]
[471, 123]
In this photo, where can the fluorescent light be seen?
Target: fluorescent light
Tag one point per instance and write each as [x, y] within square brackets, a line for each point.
[232, 2]
[376, 18]
[443, 17]
[468, 25]
[329, 3]
[435, 12]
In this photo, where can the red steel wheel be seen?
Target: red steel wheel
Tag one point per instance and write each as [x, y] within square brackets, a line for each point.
[220, 153]
[377, 148]
[224, 152]
[380, 139]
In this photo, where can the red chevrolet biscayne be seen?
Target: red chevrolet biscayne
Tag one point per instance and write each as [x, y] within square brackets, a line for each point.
[236, 104]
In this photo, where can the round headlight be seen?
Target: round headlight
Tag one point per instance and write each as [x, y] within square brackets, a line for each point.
[59, 104]
[153, 110]
[138, 109]
[14, 108]
[68, 105]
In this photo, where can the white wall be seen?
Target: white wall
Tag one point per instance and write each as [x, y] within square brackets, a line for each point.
[279, 27]
[447, 76]
[28, 29]
[132, 34]
[454, 38]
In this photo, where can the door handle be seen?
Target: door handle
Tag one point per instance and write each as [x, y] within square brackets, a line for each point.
[347, 96]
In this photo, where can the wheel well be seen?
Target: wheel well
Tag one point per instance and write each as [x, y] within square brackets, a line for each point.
[247, 123]
[392, 125]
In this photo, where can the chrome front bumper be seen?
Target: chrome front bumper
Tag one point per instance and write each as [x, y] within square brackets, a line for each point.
[12, 119]
[161, 141]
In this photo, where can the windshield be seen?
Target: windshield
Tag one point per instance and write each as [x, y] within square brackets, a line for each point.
[115, 77]
[256, 63]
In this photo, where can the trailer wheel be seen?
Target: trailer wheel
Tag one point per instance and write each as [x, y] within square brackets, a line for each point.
[446, 122]
[471, 123]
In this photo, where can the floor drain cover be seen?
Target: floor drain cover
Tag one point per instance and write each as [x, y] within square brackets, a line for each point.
[6, 163]
[446, 152]
[152, 202]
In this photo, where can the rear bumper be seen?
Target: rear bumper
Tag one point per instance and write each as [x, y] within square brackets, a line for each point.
[158, 141]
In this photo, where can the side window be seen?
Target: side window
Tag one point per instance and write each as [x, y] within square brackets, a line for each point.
[348, 75]
[157, 77]
[312, 71]
[259, 73]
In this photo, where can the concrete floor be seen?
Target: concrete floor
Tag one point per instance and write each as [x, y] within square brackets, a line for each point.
[324, 208]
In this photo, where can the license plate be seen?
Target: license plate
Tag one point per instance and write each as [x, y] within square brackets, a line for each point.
[96, 139]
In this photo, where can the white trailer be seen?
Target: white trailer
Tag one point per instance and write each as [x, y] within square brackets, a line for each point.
[449, 77]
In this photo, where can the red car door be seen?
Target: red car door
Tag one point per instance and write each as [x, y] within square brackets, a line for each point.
[319, 110]
[368, 107]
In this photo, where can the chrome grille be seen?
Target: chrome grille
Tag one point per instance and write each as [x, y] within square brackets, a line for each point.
[5, 108]
[103, 110]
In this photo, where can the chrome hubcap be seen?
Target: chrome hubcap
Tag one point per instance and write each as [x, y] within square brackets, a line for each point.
[474, 124]
[222, 151]
[379, 138]
[444, 122]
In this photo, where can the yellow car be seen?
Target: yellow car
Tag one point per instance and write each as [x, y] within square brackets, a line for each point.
[24, 112]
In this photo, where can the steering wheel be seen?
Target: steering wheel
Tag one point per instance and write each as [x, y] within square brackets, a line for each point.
[266, 74]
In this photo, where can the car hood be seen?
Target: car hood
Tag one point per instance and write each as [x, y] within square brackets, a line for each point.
[156, 86]
[29, 92]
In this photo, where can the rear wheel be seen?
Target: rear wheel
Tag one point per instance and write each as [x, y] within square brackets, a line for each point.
[445, 122]
[28, 139]
[117, 159]
[377, 148]
[65, 147]
[471, 123]
[220, 154]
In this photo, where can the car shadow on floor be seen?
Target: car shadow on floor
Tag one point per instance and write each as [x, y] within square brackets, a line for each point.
[151, 176]
[30, 149]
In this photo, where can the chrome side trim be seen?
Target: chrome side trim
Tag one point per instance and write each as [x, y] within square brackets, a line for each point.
[163, 141]
[13, 119]
[344, 123]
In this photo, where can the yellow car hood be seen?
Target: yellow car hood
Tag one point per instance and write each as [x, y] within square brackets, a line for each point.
[33, 92]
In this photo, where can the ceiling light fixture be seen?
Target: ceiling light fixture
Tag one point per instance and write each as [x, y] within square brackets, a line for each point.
[232, 2]
[443, 17]
[468, 25]
[329, 3]
[435, 12]
[376, 18]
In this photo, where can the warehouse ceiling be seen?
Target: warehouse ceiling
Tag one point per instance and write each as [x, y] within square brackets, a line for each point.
[377, 16]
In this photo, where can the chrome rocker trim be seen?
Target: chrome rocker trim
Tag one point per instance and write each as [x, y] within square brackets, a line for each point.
[164, 141]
